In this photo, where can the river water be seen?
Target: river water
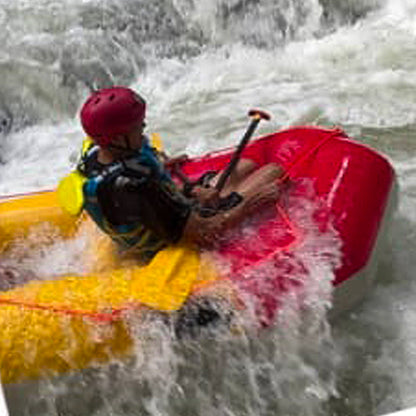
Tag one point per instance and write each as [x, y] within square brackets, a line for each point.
[201, 65]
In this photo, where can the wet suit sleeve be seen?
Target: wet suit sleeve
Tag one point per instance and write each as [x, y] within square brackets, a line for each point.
[157, 205]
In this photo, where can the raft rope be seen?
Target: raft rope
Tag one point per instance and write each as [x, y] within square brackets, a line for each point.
[285, 216]
[115, 314]
[96, 316]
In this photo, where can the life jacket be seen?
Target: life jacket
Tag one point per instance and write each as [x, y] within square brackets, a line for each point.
[132, 234]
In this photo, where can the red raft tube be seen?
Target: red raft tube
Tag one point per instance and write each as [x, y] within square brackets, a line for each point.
[353, 190]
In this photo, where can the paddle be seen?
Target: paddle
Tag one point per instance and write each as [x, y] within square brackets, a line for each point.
[256, 116]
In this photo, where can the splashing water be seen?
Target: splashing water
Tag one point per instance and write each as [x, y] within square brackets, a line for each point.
[288, 367]
[201, 65]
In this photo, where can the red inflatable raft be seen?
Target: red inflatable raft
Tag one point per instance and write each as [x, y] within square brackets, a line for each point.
[327, 228]
[351, 188]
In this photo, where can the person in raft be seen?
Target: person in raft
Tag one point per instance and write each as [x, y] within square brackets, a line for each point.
[131, 196]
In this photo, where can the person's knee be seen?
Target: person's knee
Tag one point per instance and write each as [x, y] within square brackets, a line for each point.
[246, 166]
[272, 171]
[243, 170]
[248, 163]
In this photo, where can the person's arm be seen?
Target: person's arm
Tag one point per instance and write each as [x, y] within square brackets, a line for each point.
[166, 212]
[160, 207]
[206, 197]
[207, 231]
[170, 162]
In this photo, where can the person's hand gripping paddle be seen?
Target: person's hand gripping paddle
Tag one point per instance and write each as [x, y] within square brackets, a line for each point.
[233, 199]
[256, 116]
[208, 211]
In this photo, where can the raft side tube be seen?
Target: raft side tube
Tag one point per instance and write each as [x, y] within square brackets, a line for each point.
[19, 215]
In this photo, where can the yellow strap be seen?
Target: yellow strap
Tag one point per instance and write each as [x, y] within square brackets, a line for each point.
[156, 141]
[86, 144]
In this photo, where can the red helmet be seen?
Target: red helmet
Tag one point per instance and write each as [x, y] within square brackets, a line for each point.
[110, 112]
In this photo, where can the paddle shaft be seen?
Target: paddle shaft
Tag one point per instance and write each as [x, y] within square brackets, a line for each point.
[256, 115]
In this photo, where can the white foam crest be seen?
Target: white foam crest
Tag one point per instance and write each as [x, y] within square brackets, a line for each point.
[406, 375]
[37, 157]
[401, 12]
[246, 374]
[268, 23]
[290, 368]
[358, 75]
[44, 254]
[406, 171]
[362, 74]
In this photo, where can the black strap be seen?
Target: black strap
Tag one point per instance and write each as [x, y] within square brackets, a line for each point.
[224, 204]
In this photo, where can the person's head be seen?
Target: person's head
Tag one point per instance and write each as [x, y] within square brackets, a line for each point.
[114, 119]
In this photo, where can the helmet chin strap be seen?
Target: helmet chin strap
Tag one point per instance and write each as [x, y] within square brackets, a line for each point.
[127, 149]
